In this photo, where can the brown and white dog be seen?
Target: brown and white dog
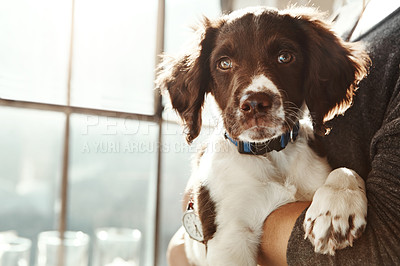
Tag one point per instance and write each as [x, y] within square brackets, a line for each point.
[277, 77]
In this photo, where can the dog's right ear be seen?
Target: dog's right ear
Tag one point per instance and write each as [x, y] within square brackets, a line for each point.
[188, 78]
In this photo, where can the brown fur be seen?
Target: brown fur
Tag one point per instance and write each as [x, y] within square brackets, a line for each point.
[207, 213]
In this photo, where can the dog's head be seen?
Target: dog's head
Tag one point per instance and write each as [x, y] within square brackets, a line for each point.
[261, 66]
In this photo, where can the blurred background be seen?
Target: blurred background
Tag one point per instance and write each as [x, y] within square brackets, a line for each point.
[78, 105]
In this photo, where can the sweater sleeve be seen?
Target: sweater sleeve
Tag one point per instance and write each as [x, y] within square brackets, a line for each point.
[380, 243]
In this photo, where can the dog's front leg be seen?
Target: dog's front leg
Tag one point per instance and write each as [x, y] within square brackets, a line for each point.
[338, 212]
[234, 244]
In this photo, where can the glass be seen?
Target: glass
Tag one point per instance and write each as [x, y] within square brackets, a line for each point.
[15, 251]
[117, 246]
[34, 50]
[113, 52]
[72, 250]
[181, 16]
[112, 176]
[114, 55]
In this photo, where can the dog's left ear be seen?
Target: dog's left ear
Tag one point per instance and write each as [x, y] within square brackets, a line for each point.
[187, 78]
[334, 69]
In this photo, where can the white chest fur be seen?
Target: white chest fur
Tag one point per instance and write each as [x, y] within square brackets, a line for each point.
[297, 167]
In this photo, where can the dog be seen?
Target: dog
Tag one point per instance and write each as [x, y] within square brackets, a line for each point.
[277, 77]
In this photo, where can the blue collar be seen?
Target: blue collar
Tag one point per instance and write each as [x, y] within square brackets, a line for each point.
[260, 148]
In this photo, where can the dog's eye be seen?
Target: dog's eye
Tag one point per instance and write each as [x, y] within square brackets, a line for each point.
[285, 57]
[224, 63]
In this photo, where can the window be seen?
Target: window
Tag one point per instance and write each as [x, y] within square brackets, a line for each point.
[93, 80]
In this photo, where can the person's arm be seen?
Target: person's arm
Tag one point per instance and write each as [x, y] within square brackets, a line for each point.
[277, 229]
[176, 255]
[276, 233]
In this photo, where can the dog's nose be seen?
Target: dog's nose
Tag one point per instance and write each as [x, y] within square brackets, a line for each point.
[258, 102]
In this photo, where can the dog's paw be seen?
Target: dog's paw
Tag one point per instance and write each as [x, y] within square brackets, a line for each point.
[338, 212]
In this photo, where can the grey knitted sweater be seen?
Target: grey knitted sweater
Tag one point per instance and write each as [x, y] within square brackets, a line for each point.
[367, 139]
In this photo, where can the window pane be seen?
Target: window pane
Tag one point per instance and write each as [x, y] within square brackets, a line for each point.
[114, 55]
[181, 15]
[30, 170]
[176, 169]
[112, 177]
[34, 49]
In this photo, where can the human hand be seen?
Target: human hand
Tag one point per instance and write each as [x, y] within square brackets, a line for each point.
[176, 255]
